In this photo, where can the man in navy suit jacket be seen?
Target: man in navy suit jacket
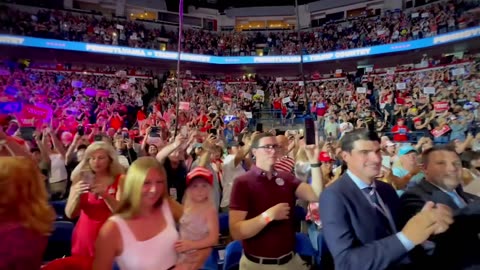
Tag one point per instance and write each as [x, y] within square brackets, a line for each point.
[358, 213]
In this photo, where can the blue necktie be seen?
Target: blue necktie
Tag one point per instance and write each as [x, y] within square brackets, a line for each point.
[456, 198]
[372, 194]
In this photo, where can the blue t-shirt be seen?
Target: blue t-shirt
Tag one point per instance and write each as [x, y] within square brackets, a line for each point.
[398, 171]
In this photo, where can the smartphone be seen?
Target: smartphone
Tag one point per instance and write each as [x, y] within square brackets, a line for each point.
[88, 177]
[184, 131]
[126, 135]
[27, 133]
[81, 130]
[259, 127]
[98, 138]
[279, 132]
[309, 131]
[213, 131]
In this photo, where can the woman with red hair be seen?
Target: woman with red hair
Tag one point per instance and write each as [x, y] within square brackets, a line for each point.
[26, 218]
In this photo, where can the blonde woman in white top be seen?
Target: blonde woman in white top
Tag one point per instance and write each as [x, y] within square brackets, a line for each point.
[142, 233]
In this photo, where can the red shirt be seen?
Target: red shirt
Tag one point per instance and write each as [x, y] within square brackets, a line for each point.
[23, 248]
[400, 133]
[203, 118]
[141, 115]
[116, 123]
[277, 105]
[321, 108]
[93, 213]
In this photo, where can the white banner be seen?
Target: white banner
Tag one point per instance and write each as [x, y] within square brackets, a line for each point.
[401, 86]
[429, 90]
[361, 90]
[458, 71]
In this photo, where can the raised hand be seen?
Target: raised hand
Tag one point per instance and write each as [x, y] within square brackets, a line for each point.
[313, 152]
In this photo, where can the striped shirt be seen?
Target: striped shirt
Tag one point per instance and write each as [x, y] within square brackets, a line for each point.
[285, 164]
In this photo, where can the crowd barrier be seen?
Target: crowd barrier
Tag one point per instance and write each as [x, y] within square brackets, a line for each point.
[455, 36]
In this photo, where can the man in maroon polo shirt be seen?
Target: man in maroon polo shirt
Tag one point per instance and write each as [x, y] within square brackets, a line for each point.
[260, 208]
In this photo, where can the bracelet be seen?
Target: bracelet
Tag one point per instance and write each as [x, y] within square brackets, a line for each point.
[315, 165]
[266, 217]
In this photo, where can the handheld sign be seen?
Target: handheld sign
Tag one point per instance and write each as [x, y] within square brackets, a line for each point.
[429, 90]
[361, 90]
[10, 107]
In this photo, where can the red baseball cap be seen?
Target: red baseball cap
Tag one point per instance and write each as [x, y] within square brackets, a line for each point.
[325, 157]
[200, 172]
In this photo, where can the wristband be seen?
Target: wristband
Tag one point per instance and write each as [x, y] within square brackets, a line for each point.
[266, 218]
[315, 165]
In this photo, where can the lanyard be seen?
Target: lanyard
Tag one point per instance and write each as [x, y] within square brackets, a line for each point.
[380, 207]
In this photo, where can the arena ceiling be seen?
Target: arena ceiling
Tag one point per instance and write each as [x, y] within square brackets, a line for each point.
[221, 5]
[160, 66]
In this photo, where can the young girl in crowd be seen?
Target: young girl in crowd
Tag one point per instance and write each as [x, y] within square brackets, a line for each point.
[199, 223]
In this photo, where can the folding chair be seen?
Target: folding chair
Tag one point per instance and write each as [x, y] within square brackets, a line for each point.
[212, 261]
[304, 248]
[59, 207]
[233, 253]
[60, 242]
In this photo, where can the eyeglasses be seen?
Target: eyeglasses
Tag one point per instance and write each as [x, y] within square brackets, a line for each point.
[270, 146]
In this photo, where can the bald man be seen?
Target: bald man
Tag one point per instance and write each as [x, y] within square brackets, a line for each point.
[285, 163]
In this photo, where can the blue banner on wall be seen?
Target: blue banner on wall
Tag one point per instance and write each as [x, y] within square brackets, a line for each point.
[232, 60]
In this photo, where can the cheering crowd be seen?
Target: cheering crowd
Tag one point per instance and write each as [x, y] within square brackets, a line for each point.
[90, 142]
[387, 177]
[427, 21]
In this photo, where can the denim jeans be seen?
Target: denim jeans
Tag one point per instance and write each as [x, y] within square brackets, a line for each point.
[441, 140]
[313, 234]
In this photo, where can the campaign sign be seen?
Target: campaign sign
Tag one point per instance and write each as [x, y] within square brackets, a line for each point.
[229, 118]
[361, 90]
[441, 106]
[77, 84]
[439, 132]
[10, 107]
[11, 91]
[184, 106]
[429, 90]
[102, 93]
[90, 92]
[401, 86]
[32, 111]
[7, 98]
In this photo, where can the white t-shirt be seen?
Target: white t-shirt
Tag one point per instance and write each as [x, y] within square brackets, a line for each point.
[58, 170]
[230, 173]
[123, 160]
